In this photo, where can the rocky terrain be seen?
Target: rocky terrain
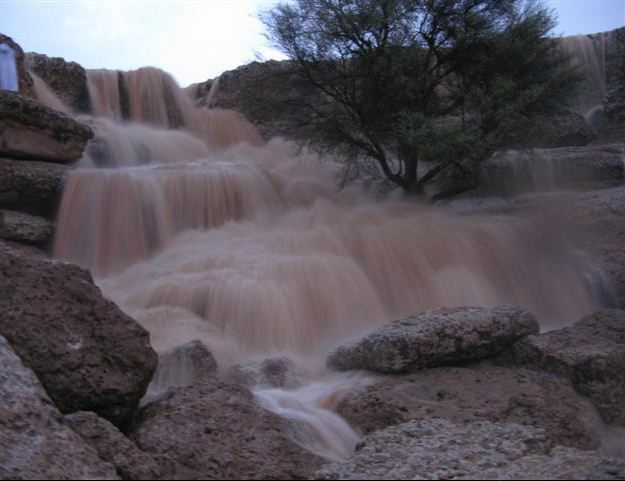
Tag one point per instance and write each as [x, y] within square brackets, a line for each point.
[458, 393]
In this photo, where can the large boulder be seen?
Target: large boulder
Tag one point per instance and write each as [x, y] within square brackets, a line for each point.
[215, 430]
[30, 130]
[88, 354]
[25, 81]
[35, 443]
[590, 353]
[68, 80]
[440, 337]
[460, 395]
[440, 449]
[113, 447]
[33, 187]
[25, 228]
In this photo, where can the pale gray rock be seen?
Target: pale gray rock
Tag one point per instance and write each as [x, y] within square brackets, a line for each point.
[276, 372]
[440, 337]
[440, 449]
[34, 441]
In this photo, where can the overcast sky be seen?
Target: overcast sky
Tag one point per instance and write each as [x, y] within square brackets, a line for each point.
[193, 40]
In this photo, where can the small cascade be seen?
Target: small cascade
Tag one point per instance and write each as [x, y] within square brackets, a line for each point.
[46, 96]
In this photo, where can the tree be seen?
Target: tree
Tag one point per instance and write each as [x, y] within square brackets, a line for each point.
[416, 88]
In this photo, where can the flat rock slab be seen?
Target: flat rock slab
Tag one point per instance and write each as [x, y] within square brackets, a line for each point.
[590, 353]
[30, 186]
[25, 228]
[215, 430]
[31, 130]
[440, 337]
[35, 443]
[496, 394]
[440, 449]
[86, 352]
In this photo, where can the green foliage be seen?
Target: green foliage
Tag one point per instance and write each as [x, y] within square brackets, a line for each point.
[409, 83]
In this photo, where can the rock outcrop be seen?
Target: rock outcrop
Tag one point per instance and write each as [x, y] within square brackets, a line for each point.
[26, 87]
[460, 395]
[550, 131]
[30, 130]
[87, 353]
[68, 80]
[35, 443]
[25, 228]
[215, 430]
[591, 354]
[113, 447]
[439, 449]
[440, 337]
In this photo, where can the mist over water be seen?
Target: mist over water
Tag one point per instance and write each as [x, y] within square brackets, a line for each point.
[204, 232]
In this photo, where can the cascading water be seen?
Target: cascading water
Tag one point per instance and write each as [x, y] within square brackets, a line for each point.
[251, 249]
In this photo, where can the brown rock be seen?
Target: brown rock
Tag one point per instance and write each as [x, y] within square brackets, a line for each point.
[461, 395]
[68, 80]
[30, 130]
[590, 353]
[33, 187]
[88, 354]
[35, 443]
[275, 372]
[215, 430]
[26, 87]
[439, 337]
[113, 447]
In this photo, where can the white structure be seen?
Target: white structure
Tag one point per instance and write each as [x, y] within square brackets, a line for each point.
[8, 69]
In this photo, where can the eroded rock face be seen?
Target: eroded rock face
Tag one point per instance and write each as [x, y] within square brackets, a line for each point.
[591, 354]
[440, 337]
[30, 130]
[34, 441]
[113, 447]
[552, 130]
[68, 80]
[461, 395]
[440, 449]
[32, 187]
[25, 228]
[24, 80]
[215, 430]
[88, 354]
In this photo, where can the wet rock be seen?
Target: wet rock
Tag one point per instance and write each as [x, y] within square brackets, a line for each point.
[460, 395]
[591, 354]
[33, 187]
[440, 449]
[277, 372]
[88, 354]
[552, 130]
[68, 80]
[440, 337]
[113, 447]
[182, 366]
[25, 81]
[30, 130]
[215, 430]
[34, 441]
[25, 228]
